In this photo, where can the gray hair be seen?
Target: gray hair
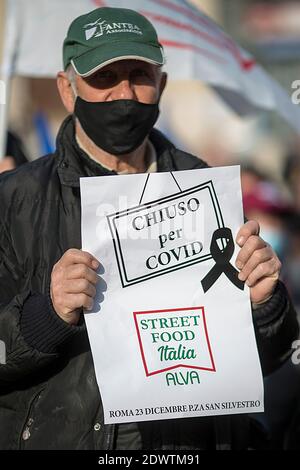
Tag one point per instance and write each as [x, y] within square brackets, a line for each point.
[71, 75]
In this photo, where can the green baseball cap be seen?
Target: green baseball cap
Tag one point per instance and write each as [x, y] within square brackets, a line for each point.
[106, 35]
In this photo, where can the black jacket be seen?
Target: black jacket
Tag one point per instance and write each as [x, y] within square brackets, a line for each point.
[49, 398]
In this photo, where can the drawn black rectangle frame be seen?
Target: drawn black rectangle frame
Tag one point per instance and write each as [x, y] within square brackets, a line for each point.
[111, 218]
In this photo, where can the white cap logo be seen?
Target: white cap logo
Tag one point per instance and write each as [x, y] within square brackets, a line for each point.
[98, 28]
[93, 30]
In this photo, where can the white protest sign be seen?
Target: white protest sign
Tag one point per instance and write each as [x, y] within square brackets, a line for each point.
[171, 329]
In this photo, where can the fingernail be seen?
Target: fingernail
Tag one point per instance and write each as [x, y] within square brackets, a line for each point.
[241, 276]
[241, 241]
[239, 265]
[95, 264]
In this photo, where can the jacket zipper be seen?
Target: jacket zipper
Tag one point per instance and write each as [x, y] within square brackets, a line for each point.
[28, 421]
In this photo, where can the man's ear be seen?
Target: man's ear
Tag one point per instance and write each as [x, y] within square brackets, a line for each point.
[163, 82]
[66, 91]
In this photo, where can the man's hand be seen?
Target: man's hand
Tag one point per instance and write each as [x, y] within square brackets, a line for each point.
[258, 264]
[7, 163]
[73, 281]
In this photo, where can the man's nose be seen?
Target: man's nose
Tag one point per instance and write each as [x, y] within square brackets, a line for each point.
[124, 91]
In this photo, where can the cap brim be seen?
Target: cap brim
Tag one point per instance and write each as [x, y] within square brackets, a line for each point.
[88, 63]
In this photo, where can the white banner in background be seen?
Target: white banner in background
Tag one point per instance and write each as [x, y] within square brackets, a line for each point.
[171, 329]
[190, 38]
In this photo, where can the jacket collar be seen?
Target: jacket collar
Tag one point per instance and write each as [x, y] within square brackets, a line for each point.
[74, 163]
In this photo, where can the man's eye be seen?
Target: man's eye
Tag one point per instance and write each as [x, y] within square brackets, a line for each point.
[141, 74]
[106, 75]
[103, 78]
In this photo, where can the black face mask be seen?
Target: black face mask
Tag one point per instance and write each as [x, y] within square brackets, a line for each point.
[119, 126]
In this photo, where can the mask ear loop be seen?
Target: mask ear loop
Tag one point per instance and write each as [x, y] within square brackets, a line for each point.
[73, 86]
[147, 179]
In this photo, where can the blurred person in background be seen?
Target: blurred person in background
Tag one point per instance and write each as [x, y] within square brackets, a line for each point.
[279, 226]
[265, 203]
[14, 155]
[277, 217]
[291, 269]
[291, 175]
[250, 177]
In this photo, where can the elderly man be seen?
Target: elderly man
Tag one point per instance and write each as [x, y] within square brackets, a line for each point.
[49, 399]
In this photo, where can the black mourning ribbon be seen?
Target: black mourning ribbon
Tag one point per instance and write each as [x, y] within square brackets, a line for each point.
[222, 258]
